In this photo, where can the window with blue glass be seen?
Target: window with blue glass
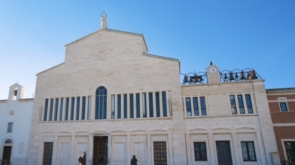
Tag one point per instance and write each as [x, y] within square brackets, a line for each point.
[137, 105]
[72, 108]
[203, 106]
[164, 102]
[78, 108]
[67, 108]
[125, 106]
[241, 104]
[151, 105]
[283, 106]
[56, 109]
[233, 104]
[249, 103]
[61, 108]
[46, 109]
[144, 111]
[101, 103]
[188, 106]
[119, 107]
[131, 106]
[51, 109]
[196, 106]
[158, 104]
[83, 108]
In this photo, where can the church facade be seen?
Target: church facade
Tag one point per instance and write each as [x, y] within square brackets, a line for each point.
[113, 99]
[15, 125]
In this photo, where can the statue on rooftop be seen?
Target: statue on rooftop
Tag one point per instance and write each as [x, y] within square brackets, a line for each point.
[103, 20]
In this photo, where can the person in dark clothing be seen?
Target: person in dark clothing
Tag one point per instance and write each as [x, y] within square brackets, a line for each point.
[82, 159]
[134, 160]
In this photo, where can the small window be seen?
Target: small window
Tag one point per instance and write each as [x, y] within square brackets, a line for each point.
[233, 104]
[137, 105]
[144, 105]
[151, 105]
[164, 104]
[125, 105]
[131, 105]
[78, 108]
[248, 151]
[200, 151]
[157, 104]
[188, 106]
[283, 106]
[9, 127]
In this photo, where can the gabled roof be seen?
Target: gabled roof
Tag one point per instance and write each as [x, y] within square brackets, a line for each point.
[162, 57]
[16, 84]
[112, 30]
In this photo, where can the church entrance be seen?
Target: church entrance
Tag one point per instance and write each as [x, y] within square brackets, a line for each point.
[100, 150]
[6, 155]
[160, 154]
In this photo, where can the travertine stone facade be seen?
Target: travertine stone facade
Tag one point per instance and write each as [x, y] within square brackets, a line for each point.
[119, 61]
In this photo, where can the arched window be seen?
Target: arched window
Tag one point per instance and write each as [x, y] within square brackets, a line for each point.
[8, 141]
[101, 103]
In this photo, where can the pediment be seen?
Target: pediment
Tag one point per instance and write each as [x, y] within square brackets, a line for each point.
[119, 132]
[198, 130]
[138, 131]
[245, 129]
[82, 132]
[221, 129]
[47, 133]
[159, 131]
[65, 132]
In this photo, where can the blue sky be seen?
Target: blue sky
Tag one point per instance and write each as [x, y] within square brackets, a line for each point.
[233, 34]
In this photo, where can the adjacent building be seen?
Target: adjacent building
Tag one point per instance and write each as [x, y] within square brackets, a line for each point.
[15, 125]
[113, 99]
[282, 109]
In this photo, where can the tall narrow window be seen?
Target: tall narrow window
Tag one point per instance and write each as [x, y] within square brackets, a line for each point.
[113, 106]
[249, 103]
[61, 108]
[151, 105]
[72, 108]
[164, 102]
[9, 127]
[56, 109]
[119, 106]
[158, 104]
[83, 108]
[89, 107]
[51, 109]
[78, 109]
[137, 105]
[241, 104]
[125, 106]
[248, 151]
[196, 106]
[188, 106]
[46, 109]
[144, 105]
[67, 108]
[131, 106]
[200, 151]
[101, 103]
[233, 104]
[203, 106]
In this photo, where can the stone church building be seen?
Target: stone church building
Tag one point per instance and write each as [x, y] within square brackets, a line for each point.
[113, 99]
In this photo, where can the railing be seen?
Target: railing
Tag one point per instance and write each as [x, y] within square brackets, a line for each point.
[194, 78]
[238, 75]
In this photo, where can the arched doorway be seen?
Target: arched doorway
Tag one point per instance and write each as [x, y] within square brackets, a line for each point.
[7, 147]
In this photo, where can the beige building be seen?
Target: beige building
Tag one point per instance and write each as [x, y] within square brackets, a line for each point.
[113, 99]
